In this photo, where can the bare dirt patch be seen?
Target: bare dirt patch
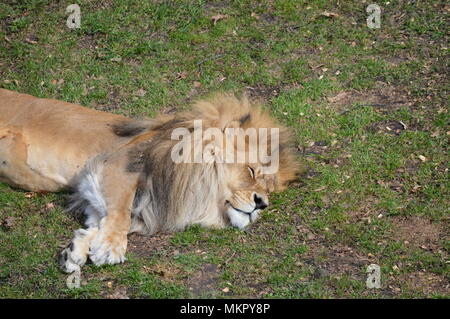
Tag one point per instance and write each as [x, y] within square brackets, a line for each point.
[426, 283]
[145, 246]
[418, 232]
[384, 99]
[90, 41]
[337, 261]
[262, 92]
[366, 210]
[166, 271]
[204, 280]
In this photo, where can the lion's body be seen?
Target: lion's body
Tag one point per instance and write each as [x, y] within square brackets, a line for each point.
[123, 170]
[45, 143]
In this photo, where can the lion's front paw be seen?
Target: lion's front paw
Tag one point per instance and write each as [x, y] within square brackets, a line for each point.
[108, 248]
[67, 262]
[74, 256]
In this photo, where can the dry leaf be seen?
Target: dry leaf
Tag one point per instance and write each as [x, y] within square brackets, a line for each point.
[181, 75]
[30, 41]
[310, 236]
[140, 92]
[313, 67]
[329, 14]
[338, 97]
[435, 134]
[197, 84]
[218, 17]
[254, 15]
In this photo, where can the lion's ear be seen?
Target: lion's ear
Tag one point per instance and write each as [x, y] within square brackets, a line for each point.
[243, 121]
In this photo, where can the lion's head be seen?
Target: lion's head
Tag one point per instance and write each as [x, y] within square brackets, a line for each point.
[220, 176]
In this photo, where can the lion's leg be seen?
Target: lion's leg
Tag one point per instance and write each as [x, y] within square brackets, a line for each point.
[110, 243]
[118, 188]
[109, 189]
[104, 243]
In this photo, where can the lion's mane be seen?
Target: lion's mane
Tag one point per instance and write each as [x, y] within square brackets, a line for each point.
[170, 196]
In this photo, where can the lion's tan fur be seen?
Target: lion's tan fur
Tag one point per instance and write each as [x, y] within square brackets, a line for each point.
[44, 143]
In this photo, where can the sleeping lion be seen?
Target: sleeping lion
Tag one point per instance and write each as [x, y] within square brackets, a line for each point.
[141, 175]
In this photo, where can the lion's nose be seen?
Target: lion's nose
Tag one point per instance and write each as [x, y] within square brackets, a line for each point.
[259, 202]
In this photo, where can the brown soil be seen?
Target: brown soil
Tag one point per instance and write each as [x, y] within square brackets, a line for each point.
[144, 246]
[426, 283]
[204, 280]
[418, 232]
[337, 261]
[384, 98]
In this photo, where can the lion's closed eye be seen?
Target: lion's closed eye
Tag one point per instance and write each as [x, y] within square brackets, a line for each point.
[252, 172]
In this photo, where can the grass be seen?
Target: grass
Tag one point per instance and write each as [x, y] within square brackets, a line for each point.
[368, 106]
